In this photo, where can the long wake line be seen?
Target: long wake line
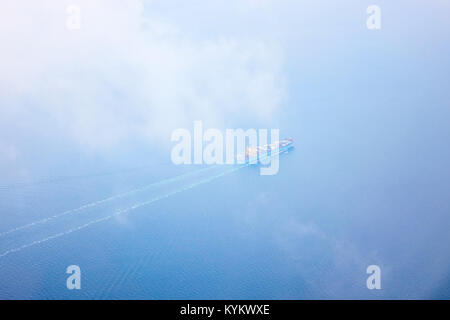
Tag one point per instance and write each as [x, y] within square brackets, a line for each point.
[119, 212]
[95, 203]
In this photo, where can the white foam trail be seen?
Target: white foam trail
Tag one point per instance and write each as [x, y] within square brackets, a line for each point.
[95, 203]
[57, 235]
[119, 212]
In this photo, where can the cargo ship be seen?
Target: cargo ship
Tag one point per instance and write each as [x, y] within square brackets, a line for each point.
[254, 154]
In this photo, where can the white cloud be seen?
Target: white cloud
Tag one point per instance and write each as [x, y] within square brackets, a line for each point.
[127, 74]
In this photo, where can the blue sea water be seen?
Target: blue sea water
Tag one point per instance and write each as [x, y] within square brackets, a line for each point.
[367, 183]
[309, 231]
